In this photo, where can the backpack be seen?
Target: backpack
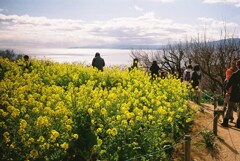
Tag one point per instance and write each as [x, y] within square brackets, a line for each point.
[187, 76]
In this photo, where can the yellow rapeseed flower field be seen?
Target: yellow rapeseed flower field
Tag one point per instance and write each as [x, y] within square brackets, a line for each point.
[53, 111]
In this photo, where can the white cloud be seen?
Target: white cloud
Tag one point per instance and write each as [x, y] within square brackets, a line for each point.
[137, 8]
[146, 29]
[236, 3]
[213, 23]
[164, 1]
[215, 27]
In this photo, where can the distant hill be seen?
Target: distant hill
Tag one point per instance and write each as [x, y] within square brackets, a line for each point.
[125, 47]
[230, 40]
[156, 47]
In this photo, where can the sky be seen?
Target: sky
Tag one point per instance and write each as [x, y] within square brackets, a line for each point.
[101, 23]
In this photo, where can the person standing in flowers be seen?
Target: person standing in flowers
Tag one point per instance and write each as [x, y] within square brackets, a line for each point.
[154, 70]
[134, 65]
[196, 79]
[187, 74]
[227, 93]
[26, 63]
[98, 62]
[234, 83]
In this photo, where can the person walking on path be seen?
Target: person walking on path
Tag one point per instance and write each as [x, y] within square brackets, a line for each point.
[233, 82]
[154, 70]
[98, 62]
[187, 74]
[196, 79]
[227, 93]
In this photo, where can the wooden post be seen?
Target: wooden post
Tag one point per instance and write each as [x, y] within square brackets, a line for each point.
[187, 148]
[198, 96]
[215, 102]
[215, 120]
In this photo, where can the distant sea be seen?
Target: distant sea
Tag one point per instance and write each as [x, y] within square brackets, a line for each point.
[81, 55]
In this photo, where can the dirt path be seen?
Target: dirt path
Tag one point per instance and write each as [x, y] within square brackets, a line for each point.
[227, 140]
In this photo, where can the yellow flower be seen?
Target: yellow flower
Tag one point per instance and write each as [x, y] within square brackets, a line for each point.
[12, 146]
[138, 118]
[23, 110]
[145, 109]
[69, 127]
[23, 124]
[97, 105]
[42, 121]
[180, 109]
[33, 153]
[99, 142]
[92, 121]
[129, 115]
[10, 108]
[114, 132]
[90, 111]
[41, 139]
[45, 146]
[75, 136]
[56, 145]
[31, 100]
[150, 117]
[54, 135]
[131, 122]
[64, 146]
[188, 120]
[108, 103]
[31, 140]
[169, 119]
[69, 121]
[4, 114]
[99, 130]
[65, 118]
[124, 122]
[109, 131]
[118, 117]
[3, 125]
[103, 111]
[35, 110]
[6, 137]
[15, 113]
[27, 116]
[162, 111]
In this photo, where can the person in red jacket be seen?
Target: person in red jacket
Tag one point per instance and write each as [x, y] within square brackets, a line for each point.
[234, 83]
[229, 73]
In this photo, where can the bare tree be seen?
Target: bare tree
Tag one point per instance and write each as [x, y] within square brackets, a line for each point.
[213, 58]
[174, 58]
[146, 57]
[170, 58]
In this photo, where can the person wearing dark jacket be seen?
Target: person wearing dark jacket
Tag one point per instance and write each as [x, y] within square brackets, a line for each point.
[233, 82]
[134, 65]
[154, 70]
[98, 62]
[196, 79]
[196, 76]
